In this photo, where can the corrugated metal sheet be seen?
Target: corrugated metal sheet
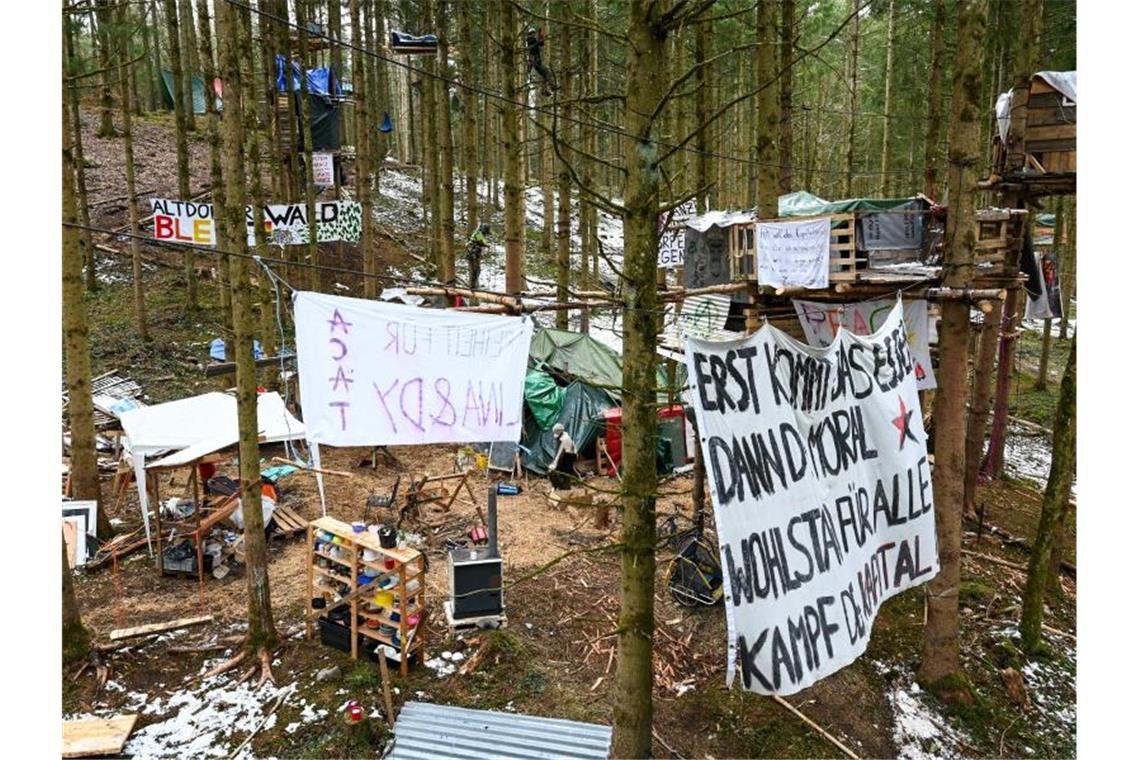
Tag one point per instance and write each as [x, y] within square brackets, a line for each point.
[428, 732]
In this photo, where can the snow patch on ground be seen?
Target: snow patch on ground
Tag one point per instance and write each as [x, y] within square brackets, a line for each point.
[205, 721]
[446, 664]
[919, 732]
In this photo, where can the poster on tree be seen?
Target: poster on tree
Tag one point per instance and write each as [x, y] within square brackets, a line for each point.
[821, 321]
[285, 224]
[793, 254]
[374, 373]
[822, 493]
[323, 175]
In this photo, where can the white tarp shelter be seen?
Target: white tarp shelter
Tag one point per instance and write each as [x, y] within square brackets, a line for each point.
[1064, 82]
[196, 426]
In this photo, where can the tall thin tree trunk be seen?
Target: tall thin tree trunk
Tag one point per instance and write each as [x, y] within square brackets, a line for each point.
[1012, 315]
[470, 99]
[981, 399]
[787, 78]
[706, 197]
[106, 101]
[313, 248]
[767, 110]
[852, 102]
[363, 144]
[888, 101]
[562, 318]
[129, 164]
[213, 139]
[76, 127]
[1060, 235]
[647, 54]
[181, 100]
[940, 660]
[76, 348]
[588, 212]
[511, 113]
[249, 80]
[150, 42]
[156, 55]
[1067, 264]
[232, 236]
[932, 154]
[1057, 492]
[1029, 35]
[446, 153]
[336, 54]
[190, 63]
[488, 83]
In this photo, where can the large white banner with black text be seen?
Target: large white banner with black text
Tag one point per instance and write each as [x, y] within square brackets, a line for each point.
[376, 373]
[821, 490]
[821, 321]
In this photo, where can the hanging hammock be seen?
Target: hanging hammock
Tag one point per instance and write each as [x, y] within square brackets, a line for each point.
[386, 124]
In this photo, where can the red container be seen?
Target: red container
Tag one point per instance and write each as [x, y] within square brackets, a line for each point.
[670, 415]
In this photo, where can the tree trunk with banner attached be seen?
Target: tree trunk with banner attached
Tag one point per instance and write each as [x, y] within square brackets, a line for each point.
[941, 667]
[231, 230]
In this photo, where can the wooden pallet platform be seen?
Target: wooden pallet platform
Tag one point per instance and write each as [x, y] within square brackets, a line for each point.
[481, 622]
[288, 522]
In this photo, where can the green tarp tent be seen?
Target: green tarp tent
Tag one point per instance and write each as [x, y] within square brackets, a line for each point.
[575, 356]
[198, 86]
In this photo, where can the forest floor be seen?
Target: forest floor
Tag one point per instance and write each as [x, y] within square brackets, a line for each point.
[557, 655]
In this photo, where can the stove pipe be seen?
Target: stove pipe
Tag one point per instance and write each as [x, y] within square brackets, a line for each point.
[493, 521]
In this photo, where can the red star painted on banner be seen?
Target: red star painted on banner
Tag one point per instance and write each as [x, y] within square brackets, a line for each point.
[902, 422]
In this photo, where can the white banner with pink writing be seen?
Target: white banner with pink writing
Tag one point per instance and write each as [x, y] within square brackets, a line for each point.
[374, 374]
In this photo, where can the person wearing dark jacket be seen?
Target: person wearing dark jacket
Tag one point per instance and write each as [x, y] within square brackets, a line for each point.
[475, 245]
[535, 40]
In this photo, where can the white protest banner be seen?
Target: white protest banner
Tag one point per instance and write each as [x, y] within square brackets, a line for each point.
[375, 373]
[821, 490]
[285, 224]
[323, 169]
[671, 249]
[793, 254]
[822, 320]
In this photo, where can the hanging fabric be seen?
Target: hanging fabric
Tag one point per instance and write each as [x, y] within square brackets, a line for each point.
[386, 124]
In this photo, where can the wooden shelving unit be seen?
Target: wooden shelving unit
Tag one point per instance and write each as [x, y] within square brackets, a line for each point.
[340, 583]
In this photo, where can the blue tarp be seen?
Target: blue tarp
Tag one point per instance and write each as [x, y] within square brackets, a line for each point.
[318, 79]
[218, 350]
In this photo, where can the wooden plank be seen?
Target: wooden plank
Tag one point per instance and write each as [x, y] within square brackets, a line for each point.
[97, 736]
[144, 630]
